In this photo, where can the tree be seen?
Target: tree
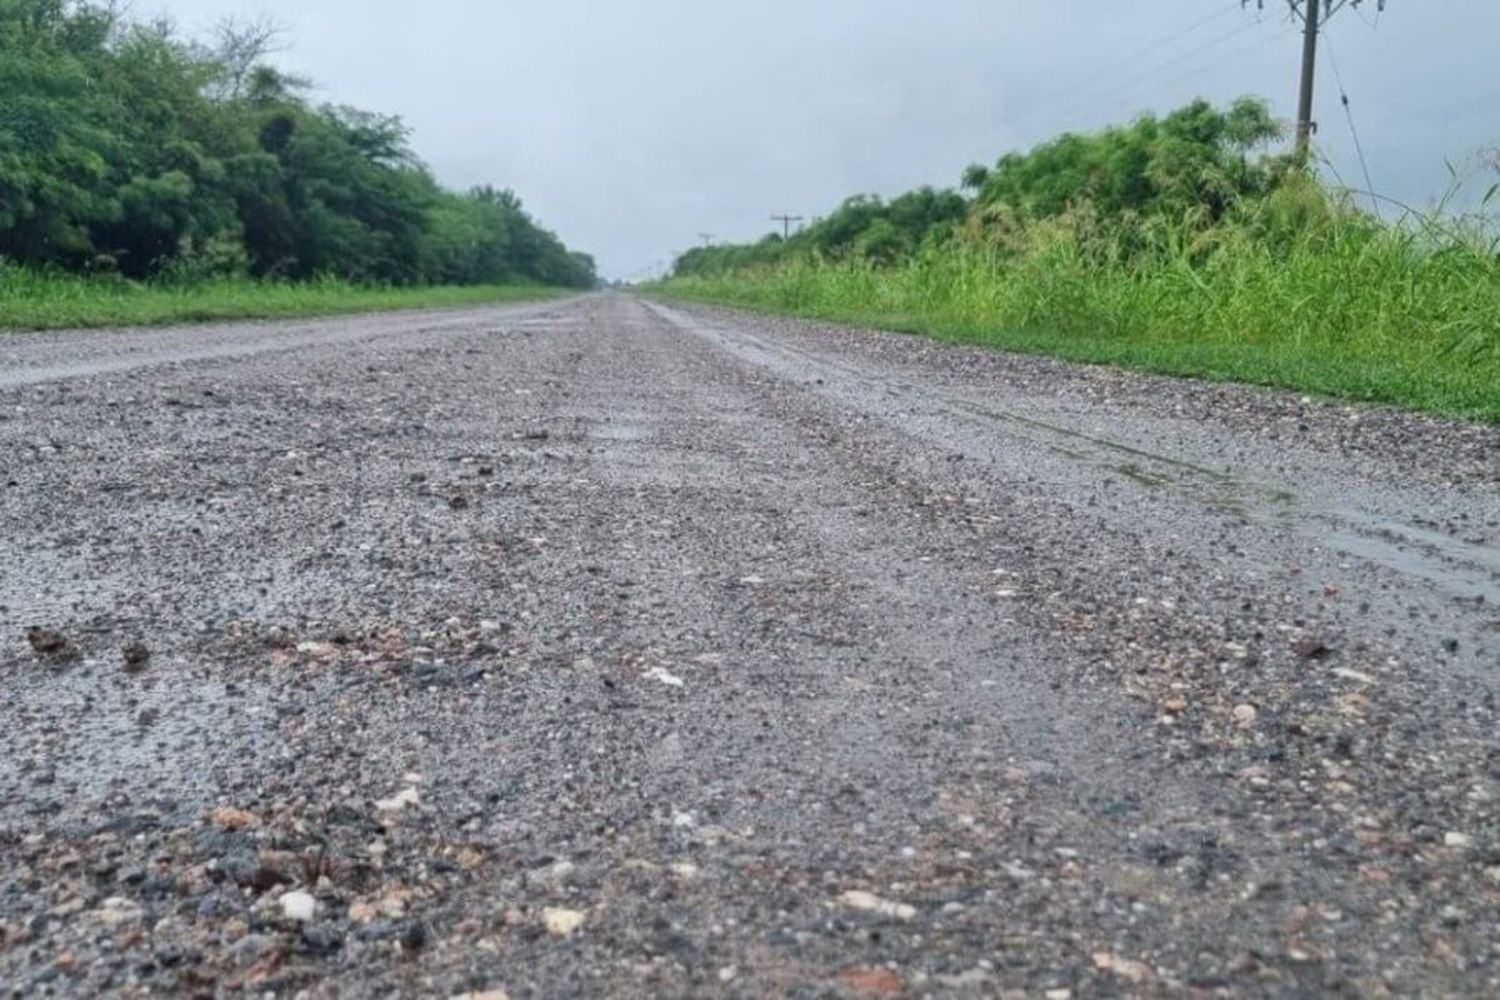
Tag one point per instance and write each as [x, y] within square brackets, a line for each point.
[1196, 165]
[122, 146]
[239, 48]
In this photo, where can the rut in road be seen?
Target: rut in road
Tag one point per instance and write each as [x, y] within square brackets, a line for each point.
[761, 651]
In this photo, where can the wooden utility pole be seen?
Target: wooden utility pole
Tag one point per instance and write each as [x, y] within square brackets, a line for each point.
[1305, 125]
[786, 224]
[1314, 14]
[707, 238]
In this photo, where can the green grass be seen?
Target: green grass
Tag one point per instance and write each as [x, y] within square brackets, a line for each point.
[1356, 310]
[38, 301]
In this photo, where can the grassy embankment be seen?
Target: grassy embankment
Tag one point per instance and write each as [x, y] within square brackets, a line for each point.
[1395, 314]
[1328, 300]
[35, 301]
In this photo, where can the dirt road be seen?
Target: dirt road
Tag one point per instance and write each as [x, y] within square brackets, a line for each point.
[611, 648]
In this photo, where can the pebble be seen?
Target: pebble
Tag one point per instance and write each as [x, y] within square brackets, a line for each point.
[858, 899]
[117, 910]
[398, 802]
[299, 906]
[873, 981]
[1311, 647]
[136, 655]
[251, 947]
[665, 676]
[231, 818]
[51, 643]
[562, 922]
[413, 936]
[1126, 968]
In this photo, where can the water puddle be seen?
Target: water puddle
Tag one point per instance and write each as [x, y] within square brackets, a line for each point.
[1462, 569]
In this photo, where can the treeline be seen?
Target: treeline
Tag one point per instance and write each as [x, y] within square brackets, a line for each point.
[864, 226]
[1193, 166]
[127, 149]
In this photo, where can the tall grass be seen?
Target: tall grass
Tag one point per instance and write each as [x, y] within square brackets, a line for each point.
[1335, 304]
[35, 300]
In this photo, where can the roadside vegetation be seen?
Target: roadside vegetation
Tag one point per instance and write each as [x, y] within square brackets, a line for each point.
[197, 170]
[1172, 244]
[55, 301]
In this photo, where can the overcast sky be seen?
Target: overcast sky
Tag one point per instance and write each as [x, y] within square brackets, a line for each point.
[631, 126]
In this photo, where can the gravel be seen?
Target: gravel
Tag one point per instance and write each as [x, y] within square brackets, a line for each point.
[612, 648]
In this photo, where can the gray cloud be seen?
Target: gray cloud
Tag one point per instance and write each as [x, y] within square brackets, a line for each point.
[631, 127]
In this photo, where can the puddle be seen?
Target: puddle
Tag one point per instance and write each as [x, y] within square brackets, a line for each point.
[1464, 570]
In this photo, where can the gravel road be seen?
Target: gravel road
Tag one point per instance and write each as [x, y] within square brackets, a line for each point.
[612, 648]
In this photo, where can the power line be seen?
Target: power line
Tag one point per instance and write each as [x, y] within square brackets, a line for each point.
[1313, 23]
[1372, 25]
[1232, 56]
[1089, 95]
[1149, 76]
[1359, 147]
[1137, 55]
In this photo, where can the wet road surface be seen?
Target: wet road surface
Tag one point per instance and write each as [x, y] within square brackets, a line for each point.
[609, 647]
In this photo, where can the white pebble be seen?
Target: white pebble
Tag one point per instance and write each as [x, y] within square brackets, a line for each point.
[299, 906]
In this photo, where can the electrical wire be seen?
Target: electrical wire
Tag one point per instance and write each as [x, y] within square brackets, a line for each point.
[1359, 147]
[1233, 55]
[1086, 97]
[1162, 42]
[1088, 90]
[1379, 13]
[1134, 81]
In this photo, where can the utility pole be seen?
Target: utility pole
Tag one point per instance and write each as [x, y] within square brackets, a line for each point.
[707, 238]
[786, 224]
[1305, 126]
[1314, 14]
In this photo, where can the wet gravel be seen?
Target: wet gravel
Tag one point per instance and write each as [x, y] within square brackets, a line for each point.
[614, 648]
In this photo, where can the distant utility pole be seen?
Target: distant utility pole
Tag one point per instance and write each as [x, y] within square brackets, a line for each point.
[707, 238]
[786, 224]
[1313, 19]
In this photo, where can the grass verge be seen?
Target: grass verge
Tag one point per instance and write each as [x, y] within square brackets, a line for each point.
[35, 301]
[1382, 319]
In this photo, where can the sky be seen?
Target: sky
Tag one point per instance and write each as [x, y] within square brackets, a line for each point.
[633, 126]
